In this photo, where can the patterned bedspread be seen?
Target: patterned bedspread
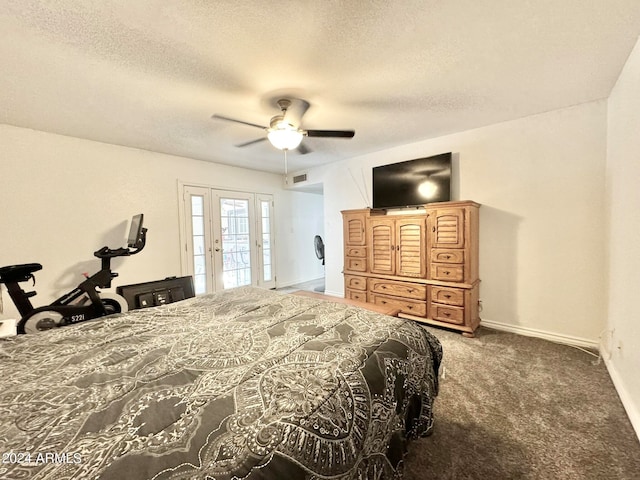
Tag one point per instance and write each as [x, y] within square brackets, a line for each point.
[246, 383]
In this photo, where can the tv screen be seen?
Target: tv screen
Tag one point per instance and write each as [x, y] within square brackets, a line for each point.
[412, 183]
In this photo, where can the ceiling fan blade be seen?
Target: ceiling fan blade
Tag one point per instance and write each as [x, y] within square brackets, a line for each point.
[331, 133]
[303, 149]
[221, 117]
[251, 142]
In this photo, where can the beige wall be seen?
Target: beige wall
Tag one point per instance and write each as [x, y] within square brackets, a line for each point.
[62, 198]
[540, 181]
[622, 343]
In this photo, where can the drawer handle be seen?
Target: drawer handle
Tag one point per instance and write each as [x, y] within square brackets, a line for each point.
[446, 272]
[446, 314]
[447, 257]
[410, 307]
[410, 290]
[383, 287]
[383, 302]
[447, 296]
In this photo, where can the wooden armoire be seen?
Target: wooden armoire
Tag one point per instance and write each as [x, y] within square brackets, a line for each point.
[425, 264]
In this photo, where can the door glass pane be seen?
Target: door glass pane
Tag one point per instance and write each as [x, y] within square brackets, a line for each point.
[198, 225]
[236, 246]
[199, 264]
[266, 240]
[241, 208]
[224, 221]
[200, 284]
[198, 244]
[199, 259]
[197, 206]
[243, 225]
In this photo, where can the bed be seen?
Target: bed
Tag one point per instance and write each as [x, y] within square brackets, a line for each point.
[245, 383]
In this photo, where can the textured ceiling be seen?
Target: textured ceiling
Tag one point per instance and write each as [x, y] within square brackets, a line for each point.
[149, 74]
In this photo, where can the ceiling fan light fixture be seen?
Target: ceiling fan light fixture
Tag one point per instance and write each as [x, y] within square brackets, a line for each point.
[285, 136]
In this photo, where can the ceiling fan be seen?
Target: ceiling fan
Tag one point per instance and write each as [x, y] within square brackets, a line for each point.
[285, 135]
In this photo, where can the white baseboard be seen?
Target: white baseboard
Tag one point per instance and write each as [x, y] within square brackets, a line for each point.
[633, 410]
[334, 294]
[296, 282]
[534, 332]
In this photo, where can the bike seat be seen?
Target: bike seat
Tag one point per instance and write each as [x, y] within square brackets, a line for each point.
[18, 273]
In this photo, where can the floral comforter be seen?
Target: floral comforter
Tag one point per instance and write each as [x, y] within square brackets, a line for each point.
[246, 383]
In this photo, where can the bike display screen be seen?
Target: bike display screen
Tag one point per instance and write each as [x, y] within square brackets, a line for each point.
[135, 232]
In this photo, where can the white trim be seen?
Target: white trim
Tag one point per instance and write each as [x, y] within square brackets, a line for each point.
[268, 198]
[297, 282]
[184, 237]
[183, 183]
[534, 332]
[633, 412]
[334, 294]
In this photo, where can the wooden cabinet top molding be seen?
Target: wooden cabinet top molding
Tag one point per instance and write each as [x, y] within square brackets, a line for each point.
[409, 211]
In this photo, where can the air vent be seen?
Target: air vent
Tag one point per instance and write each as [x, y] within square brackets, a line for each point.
[300, 178]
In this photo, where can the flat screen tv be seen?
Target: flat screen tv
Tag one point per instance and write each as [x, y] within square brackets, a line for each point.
[412, 183]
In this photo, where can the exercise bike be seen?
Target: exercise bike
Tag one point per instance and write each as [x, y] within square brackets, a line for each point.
[85, 302]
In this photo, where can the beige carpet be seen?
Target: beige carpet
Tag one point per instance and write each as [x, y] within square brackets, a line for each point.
[515, 407]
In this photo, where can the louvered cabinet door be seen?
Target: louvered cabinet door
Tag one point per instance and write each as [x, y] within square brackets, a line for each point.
[354, 229]
[447, 228]
[411, 258]
[382, 246]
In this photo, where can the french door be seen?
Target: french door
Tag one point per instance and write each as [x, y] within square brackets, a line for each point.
[228, 239]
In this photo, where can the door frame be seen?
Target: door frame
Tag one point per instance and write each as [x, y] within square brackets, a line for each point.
[184, 237]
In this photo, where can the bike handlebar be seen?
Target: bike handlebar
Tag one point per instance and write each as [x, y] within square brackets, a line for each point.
[106, 252]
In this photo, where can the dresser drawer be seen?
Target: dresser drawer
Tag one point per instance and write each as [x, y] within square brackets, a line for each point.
[356, 295]
[355, 263]
[398, 289]
[450, 296]
[411, 307]
[446, 313]
[355, 251]
[448, 273]
[355, 283]
[442, 255]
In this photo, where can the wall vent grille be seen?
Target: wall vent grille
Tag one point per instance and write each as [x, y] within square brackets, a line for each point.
[300, 178]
